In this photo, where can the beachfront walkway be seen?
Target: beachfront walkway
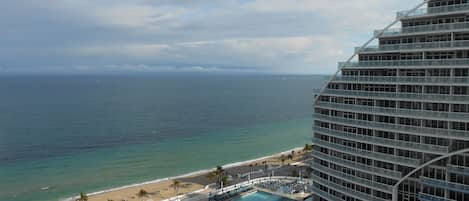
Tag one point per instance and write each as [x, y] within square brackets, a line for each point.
[163, 190]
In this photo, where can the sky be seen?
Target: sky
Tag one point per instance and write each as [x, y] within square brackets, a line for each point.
[173, 36]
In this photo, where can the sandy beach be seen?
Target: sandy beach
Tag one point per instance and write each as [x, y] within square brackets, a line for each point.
[163, 189]
[156, 191]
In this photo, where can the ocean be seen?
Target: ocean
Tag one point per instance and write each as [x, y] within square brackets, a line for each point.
[90, 133]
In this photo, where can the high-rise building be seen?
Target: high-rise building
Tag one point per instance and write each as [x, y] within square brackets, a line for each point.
[402, 108]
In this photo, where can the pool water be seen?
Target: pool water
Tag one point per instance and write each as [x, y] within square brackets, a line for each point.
[261, 196]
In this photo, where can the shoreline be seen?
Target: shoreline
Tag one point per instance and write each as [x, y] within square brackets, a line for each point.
[187, 175]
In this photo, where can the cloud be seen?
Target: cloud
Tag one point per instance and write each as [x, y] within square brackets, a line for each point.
[128, 50]
[269, 36]
[273, 54]
[137, 16]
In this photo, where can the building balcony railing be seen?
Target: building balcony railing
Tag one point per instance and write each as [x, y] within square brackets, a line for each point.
[428, 197]
[398, 128]
[414, 46]
[353, 179]
[420, 147]
[458, 170]
[424, 28]
[323, 194]
[341, 189]
[404, 80]
[434, 10]
[404, 63]
[410, 162]
[339, 161]
[444, 184]
[446, 98]
[448, 116]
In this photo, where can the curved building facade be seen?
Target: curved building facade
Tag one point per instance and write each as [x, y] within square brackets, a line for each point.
[404, 103]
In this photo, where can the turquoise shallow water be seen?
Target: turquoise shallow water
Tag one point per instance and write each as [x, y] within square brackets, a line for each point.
[261, 196]
[93, 133]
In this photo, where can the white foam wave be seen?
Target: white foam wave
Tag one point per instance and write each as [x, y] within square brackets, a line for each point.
[195, 173]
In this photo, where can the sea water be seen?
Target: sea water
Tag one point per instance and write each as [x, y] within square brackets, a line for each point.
[89, 133]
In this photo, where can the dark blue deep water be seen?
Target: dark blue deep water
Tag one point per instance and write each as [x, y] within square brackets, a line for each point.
[89, 133]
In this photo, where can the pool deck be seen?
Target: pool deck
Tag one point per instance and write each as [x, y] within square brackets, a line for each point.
[296, 196]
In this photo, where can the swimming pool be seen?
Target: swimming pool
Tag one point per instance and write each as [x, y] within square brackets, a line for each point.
[261, 196]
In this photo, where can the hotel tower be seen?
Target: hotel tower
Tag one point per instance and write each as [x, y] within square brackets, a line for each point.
[393, 123]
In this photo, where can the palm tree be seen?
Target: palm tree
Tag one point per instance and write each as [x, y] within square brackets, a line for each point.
[250, 170]
[217, 174]
[265, 165]
[224, 180]
[283, 161]
[307, 147]
[176, 185]
[142, 193]
[83, 197]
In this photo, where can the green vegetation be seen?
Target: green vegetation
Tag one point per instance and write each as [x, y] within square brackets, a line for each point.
[176, 185]
[217, 175]
[225, 180]
[83, 197]
[308, 147]
[142, 193]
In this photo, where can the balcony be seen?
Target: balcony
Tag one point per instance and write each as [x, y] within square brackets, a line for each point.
[422, 114]
[444, 184]
[353, 179]
[420, 147]
[414, 46]
[445, 27]
[398, 128]
[405, 80]
[341, 189]
[445, 98]
[339, 161]
[458, 170]
[427, 197]
[407, 63]
[410, 162]
[435, 10]
[324, 195]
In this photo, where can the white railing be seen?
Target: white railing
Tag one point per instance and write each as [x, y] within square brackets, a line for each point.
[405, 79]
[343, 162]
[341, 189]
[399, 95]
[444, 184]
[428, 197]
[411, 162]
[414, 46]
[232, 188]
[426, 114]
[253, 182]
[399, 128]
[420, 62]
[434, 10]
[423, 28]
[420, 147]
[353, 179]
